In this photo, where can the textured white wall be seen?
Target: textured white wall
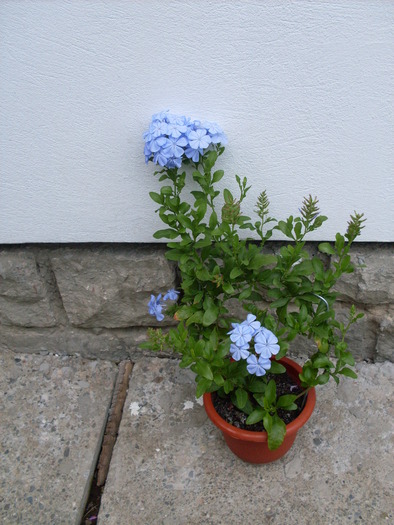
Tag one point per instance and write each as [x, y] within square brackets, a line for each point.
[303, 89]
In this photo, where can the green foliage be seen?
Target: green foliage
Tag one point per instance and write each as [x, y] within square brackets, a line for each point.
[217, 264]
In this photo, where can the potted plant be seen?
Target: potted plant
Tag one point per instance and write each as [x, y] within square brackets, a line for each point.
[251, 390]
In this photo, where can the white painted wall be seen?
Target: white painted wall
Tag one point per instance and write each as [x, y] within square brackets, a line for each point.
[303, 89]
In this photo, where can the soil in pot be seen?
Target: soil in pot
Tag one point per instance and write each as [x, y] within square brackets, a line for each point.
[232, 415]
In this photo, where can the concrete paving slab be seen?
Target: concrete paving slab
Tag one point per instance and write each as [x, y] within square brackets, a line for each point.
[53, 411]
[171, 466]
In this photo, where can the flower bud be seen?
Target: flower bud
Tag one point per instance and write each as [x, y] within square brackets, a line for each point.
[231, 212]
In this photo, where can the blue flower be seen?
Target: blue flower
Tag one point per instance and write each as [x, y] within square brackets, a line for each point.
[266, 343]
[193, 154]
[174, 163]
[251, 321]
[155, 307]
[171, 294]
[212, 128]
[199, 139]
[157, 144]
[238, 353]
[160, 158]
[240, 335]
[219, 138]
[216, 133]
[163, 115]
[177, 126]
[158, 128]
[171, 139]
[174, 147]
[258, 366]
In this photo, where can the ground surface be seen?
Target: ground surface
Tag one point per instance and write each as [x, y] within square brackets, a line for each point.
[171, 466]
[52, 410]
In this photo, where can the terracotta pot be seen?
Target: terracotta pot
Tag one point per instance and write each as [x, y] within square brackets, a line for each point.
[252, 446]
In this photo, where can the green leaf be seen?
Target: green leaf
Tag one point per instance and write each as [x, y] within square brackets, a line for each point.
[285, 227]
[210, 316]
[213, 220]
[228, 386]
[322, 318]
[267, 420]
[347, 358]
[325, 247]
[185, 312]
[348, 373]
[270, 392]
[186, 361]
[297, 230]
[256, 416]
[197, 175]
[245, 294]
[219, 380]
[228, 288]
[260, 260]
[277, 368]
[303, 268]
[217, 175]
[280, 302]
[196, 318]
[308, 372]
[229, 199]
[322, 379]
[203, 386]
[346, 263]
[322, 361]
[202, 243]
[185, 221]
[166, 190]
[209, 160]
[241, 397]
[203, 369]
[184, 207]
[317, 266]
[198, 195]
[339, 242]
[156, 197]
[167, 233]
[235, 272]
[277, 433]
[256, 385]
[203, 275]
[286, 400]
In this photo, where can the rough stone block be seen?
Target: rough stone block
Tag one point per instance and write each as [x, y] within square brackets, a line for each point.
[385, 342]
[361, 336]
[372, 281]
[24, 298]
[110, 345]
[110, 287]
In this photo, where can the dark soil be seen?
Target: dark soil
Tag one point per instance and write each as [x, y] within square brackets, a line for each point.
[284, 385]
[93, 505]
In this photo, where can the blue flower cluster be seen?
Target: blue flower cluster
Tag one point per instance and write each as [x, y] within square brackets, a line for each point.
[265, 345]
[156, 306]
[172, 138]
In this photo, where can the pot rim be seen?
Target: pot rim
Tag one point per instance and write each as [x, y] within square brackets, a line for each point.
[261, 437]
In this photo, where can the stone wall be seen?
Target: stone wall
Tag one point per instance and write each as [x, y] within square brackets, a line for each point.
[92, 300]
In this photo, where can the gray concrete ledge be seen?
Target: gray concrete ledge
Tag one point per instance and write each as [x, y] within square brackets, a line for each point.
[171, 466]
[91, 299]
[53, 410]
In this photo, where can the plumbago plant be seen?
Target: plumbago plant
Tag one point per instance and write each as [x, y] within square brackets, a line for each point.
[284, 295]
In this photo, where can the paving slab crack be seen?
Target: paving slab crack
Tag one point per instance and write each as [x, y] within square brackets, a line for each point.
[108, 443]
